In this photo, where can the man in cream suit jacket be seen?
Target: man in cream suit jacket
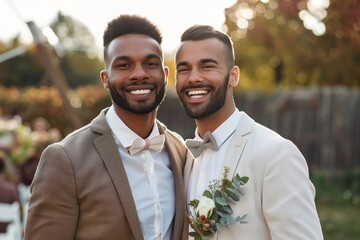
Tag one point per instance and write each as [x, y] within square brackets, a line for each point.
[110, 179]
[279, 196]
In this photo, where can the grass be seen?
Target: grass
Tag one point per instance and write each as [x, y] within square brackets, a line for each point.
[340, 222]
[338, 203]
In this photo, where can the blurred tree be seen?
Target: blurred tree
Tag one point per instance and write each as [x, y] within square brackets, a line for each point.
[286, 43]
[23, 70]
[72, 34]
[73, 44]
[80, 62]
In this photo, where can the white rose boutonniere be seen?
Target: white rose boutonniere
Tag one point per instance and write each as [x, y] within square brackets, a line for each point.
[205, 206]
[213, 210]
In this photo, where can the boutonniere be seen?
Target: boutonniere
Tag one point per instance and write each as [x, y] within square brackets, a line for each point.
[213, 211]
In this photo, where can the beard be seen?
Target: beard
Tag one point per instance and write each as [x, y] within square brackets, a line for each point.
[217, 100]
[140, 108]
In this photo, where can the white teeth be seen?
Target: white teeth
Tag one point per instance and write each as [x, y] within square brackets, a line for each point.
[140, 91]
[197, 93]
[196, 96]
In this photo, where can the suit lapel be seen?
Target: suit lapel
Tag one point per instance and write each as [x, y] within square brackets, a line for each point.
[176, 166]
[238, 143]
[188, 167]
[108, 151]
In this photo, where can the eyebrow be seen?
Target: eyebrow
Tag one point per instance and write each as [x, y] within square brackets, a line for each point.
[209, 60]
[202, 61]
[127, 58]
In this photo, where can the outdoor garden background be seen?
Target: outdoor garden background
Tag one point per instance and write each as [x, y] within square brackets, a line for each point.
[300, 83]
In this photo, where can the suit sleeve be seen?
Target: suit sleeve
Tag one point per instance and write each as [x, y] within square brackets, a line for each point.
[288, 195]
[53, 210]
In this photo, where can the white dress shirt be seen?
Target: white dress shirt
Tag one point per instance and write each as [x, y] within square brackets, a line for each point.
[150, 178]
[208, 166]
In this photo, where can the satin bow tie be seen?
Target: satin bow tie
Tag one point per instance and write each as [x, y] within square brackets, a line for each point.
[155, 144]
[197, 147]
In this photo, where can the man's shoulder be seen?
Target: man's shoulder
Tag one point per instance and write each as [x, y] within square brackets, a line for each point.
[97, 126]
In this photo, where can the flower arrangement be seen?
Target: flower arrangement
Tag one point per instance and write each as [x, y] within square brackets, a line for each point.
[213, 211]
[18, 142]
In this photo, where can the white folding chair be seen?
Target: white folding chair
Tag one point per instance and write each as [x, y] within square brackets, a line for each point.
[10, 213]
[24, 195]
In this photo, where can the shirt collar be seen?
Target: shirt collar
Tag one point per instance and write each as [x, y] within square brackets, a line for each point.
[123, 133]
[224, 131]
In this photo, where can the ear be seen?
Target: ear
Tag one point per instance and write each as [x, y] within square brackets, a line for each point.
[234, 76]
[104, 79]
[166, 71]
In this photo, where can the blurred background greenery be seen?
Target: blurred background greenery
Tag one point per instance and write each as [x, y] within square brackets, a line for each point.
[283, 48]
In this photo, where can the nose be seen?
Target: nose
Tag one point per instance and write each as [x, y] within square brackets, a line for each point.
[139, 73]
[195, 76]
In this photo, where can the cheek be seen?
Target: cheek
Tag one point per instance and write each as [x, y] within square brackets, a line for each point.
[178, 84]
[160, 77]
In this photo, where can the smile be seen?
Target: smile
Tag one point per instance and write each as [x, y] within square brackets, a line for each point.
[140, 91]
[197, 93]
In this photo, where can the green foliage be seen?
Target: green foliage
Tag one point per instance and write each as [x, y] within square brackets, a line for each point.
[80, 70]
[338, 200]
[24, 70]
[73, 35]
[79, 58]
[222, 194]
[276, 49]
[30, 103]
[337, 187]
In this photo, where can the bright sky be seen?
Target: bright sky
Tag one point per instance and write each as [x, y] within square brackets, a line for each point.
[172, 17]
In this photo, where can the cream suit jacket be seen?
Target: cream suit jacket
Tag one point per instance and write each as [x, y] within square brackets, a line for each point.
[279, 197]
[81, 191]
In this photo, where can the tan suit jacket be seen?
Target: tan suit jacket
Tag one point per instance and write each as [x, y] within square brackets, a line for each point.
[81, 191]
[279, 197]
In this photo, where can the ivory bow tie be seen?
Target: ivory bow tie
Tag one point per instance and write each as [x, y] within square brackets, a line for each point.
[140, 144]
[197, 147]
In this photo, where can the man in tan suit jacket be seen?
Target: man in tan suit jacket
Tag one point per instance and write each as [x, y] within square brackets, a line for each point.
[279, 196]
[92, 185]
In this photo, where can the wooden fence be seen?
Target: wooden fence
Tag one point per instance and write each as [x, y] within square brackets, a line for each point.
[323, 122]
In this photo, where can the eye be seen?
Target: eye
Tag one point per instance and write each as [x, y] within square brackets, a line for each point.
[122, 65]
[208, 66]
[153, 64]
[182, 69]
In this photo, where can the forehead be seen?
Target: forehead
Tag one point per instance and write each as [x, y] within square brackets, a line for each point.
[194, 51]
[133, 45]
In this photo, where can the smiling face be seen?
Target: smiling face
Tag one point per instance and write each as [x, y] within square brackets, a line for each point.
[135, 75]
[202, 78]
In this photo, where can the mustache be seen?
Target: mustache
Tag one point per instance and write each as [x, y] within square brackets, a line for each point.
[192, 86]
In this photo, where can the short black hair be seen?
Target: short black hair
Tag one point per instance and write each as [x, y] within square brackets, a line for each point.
[127, 24]
[202, 32]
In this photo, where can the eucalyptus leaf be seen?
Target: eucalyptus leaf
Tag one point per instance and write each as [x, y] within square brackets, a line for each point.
[206, 238]
[230, 219]
[228, 209]
[221, 201]
[242, 219]
[214, 216]
[235, 184]
[194, 234]
[207, 194]
[220, 214]
[244, 180]
[217, 194]
[232, 194]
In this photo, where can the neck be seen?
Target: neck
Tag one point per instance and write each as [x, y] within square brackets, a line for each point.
[141, 124]
[212, 122]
